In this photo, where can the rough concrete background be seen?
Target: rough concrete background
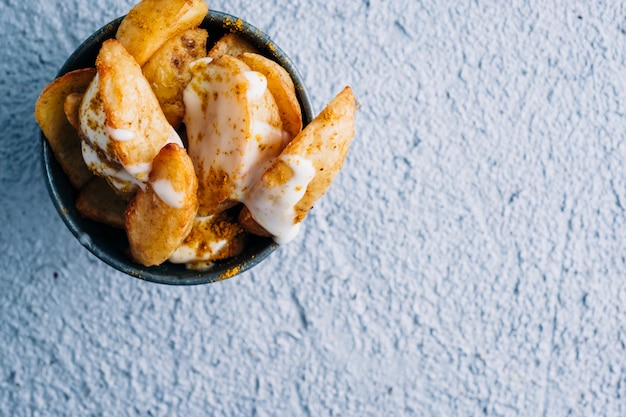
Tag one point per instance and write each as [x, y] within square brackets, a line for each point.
[468, 261]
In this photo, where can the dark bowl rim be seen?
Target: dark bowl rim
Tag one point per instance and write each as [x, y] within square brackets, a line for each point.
[177, 274]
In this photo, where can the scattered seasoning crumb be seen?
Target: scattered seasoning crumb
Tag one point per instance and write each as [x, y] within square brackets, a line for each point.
[230, 273]
[238, 24]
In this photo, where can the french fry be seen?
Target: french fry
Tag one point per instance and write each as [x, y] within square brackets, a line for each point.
[167, 71]
[152, 22]
[62, 137]
[160, 217]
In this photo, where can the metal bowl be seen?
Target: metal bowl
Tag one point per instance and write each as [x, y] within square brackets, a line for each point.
[110, 244]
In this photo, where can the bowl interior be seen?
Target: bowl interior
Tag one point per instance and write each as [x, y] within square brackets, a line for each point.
[110, 244]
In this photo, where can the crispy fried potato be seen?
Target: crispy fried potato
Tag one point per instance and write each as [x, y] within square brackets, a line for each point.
[325, 142]
[211, 238]
[318, 153]
[281, 86]
[62, 137]
[152, 22]
[167, 71]
[97, 201]
[161, 216]
[231, 44]
[130, 107]
[229, 153]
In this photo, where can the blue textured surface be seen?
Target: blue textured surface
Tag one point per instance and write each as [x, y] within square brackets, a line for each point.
[468, 261]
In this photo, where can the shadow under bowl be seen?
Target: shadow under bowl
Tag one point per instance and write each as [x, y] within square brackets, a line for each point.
[110, 244]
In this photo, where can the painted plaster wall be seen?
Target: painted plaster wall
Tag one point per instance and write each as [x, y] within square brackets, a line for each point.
[469, 260]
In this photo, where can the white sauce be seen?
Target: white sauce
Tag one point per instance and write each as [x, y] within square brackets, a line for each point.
[215, 135]
[223, 132]
[268, 132]
[273, 207]
[257, 84]
[189, 253]
[113, 172]
[164, 189]
[120, 135]
[139, 171]
[254, 162]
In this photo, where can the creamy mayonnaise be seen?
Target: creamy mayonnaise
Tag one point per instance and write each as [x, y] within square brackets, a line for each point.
[257, 84]
[115, 174]
[273, 206]
[120, 135]
[165, 191]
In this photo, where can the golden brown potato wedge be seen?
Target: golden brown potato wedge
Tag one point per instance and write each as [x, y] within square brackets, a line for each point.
[325, 143]
[281, 86]
[231, 44]
[314, 158]
[229, 150]
[160, 217]
[133, 118]
[97, 201]
[62, 137]
[152, 22]
[167, 71]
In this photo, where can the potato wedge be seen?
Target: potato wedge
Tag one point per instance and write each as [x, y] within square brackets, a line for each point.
[303, 171]
[281, 86]
[97, 201]
[121, 118]
[229, 149]
[167, 71]
[161, 216]
[231, 44]
[152, 22]
[62, 137]
[326, 143]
